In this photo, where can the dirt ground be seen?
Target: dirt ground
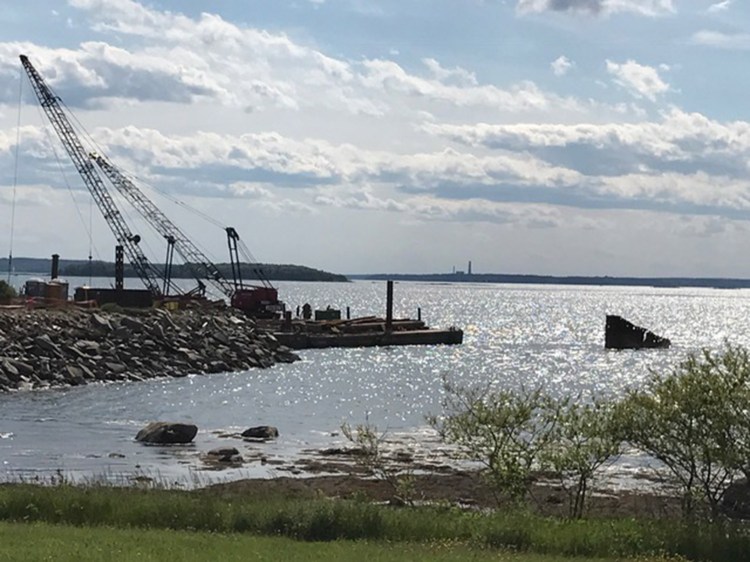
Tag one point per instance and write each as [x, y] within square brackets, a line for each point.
[336, 476]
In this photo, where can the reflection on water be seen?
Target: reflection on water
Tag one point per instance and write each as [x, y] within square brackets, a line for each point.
[514, 335]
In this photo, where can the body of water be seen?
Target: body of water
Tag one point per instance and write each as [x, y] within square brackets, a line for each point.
[514, 335]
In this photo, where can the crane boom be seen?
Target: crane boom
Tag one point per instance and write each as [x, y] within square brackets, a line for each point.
[51, 105]
[195, 259]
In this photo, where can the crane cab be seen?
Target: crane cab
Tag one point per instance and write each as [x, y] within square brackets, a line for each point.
[259, 302]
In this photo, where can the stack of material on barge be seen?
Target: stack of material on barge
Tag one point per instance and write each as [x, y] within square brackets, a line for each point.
[362, 332]
[328, 330]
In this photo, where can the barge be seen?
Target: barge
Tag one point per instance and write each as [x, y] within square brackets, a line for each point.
[363, 332]
[329, 330]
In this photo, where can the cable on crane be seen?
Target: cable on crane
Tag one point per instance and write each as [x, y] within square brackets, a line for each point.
[15, 178]
[61, 167]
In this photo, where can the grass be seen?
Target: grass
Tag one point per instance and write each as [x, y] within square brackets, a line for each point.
[42, 541]
[325, 520]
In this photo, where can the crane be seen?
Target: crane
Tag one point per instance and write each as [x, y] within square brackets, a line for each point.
[51, 105]
[255, 300]
[261, 301]
[200, 266]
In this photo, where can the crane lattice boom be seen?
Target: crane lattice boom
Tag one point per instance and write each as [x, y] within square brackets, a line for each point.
[51, 105]
[197, 261]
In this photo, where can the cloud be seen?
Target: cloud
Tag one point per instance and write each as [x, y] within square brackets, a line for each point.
[98, 71]
[389, 76]
[719, 7]
[457, 76]
[175, 58]
[680, 142]
[640, 80]
[650, 8]
[428, 208]
[684, 163]
[561, 65]
[730, 41]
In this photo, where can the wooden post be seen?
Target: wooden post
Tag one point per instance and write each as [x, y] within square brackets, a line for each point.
[419, 313]
[55, 266]
[348, 313]
[389, 307]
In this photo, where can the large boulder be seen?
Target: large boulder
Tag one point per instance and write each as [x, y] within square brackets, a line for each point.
[621, 334]
[167, 433]
[261, 433]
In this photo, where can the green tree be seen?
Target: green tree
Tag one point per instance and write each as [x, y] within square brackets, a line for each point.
[585, 439]
[695, 421]
[505, 431]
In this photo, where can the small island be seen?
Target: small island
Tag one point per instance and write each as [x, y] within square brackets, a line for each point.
[84, 268]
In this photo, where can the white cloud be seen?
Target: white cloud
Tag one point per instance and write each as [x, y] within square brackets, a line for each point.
[174, 58]
[456, 76]
[389, 76]
[686, 159]
[428, 208]
[561, 65]
[719, 7]
[731, 41]
[640, 80]
[642, 7]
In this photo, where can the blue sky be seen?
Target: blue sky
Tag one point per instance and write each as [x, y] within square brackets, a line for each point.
[600, 137]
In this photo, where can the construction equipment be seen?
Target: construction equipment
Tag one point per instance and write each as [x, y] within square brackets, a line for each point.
[260, 301]
[252, 299]
[73, 146]
[200, 266]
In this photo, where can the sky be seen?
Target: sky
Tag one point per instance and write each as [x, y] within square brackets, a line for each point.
[556, 137]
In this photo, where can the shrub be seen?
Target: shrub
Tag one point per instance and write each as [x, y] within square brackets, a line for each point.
[7, 292]
[584, 439]
[503, 430]
[371, 458]
[695, 421]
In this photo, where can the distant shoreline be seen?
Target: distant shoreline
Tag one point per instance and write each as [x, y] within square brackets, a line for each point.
[604, 281]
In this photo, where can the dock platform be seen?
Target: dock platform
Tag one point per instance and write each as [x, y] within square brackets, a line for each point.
[306, 340]
[329, 330]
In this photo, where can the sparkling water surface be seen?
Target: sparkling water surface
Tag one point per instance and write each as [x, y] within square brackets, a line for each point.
[514, 335]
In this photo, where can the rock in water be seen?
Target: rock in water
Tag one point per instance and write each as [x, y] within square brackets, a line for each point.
[167, 433]
[621, 334]
[224, 454]
[262, 432]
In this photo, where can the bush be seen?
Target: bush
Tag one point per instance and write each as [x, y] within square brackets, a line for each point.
[7, 292]
[503, 430]
[585, 438]
[371, 458]
[695, 421]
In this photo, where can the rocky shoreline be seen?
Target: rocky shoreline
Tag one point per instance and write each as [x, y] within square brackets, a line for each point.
[45, 348]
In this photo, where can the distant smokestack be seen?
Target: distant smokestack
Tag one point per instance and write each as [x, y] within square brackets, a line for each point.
[55, 266]
[469, 270]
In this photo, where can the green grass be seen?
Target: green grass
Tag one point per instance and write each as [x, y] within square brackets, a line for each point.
[41, 541]
[318, 520]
